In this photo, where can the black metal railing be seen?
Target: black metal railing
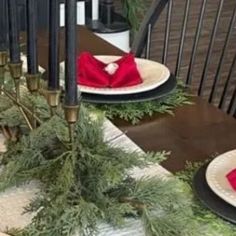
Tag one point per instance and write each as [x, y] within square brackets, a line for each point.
[225, 98]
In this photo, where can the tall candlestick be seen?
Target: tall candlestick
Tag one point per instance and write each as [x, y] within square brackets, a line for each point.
[32, 55]
[3, 25]
[53, 67]
[13, 32]
[71, 98]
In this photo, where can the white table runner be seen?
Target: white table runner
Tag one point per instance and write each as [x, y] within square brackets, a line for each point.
[13, 200]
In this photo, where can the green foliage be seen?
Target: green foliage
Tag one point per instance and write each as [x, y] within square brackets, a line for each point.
[211, 224]
[87, 183]
[84, 184]
[134, 112]
[134, 10]
[11, 116]
[5, 103]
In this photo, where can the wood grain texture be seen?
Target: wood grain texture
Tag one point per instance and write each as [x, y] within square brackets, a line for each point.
[195, 133]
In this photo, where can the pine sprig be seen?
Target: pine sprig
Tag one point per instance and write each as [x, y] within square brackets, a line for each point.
[211, 223]
[134, 112]
[80, 186]
[134, 10]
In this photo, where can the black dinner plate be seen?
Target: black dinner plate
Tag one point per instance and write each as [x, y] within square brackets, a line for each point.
[210, 199]
[153, 94]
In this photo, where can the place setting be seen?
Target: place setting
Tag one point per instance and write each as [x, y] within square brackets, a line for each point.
[215, 185]
[121, 79]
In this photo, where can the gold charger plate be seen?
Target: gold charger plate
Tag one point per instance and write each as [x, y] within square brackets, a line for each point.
[153, 74]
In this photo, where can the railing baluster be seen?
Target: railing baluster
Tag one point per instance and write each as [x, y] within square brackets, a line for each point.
[151, 17]
[223, 97]
[196, 41]
[182, 39]
[148, 45]
[210, 48]
[232, 106]
[167, 31]
[222, 57]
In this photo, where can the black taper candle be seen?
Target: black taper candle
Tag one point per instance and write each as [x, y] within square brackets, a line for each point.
[13, 32]
[71, 97]
[3, 25]
[53, 66]
[32, 55]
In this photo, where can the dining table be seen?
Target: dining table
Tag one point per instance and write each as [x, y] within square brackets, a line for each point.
[195, 132]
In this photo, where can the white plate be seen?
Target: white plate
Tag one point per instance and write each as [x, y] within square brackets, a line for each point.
[216, 176]
[153, 74]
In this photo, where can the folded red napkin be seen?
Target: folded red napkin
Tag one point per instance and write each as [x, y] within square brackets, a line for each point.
[120, 73]
[231, 176]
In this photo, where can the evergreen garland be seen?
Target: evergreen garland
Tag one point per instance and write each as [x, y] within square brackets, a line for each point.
[134, 10]
[135, 112]
[211, 223]
[130, 112]
[90, 182]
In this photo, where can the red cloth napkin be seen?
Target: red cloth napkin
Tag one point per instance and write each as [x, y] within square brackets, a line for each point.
[231, 176]
[120, 73]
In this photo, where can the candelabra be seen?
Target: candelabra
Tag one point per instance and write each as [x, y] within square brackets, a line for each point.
[3, 62]
[9, 39]
[33, 85]
[32, 82]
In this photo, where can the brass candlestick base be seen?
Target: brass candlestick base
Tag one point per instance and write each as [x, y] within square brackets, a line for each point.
[3, 58]
[2, 73]
[3, 62]
[32, 81]
[16, 70]
[71, 116]
[16, 73]
[53, 99]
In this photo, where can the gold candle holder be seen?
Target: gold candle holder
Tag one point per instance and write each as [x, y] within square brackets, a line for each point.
[53, 99]
[3, 58]
[16, 70]
[32, 81]
[3, 62]
[16, 73]
[71, 116]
